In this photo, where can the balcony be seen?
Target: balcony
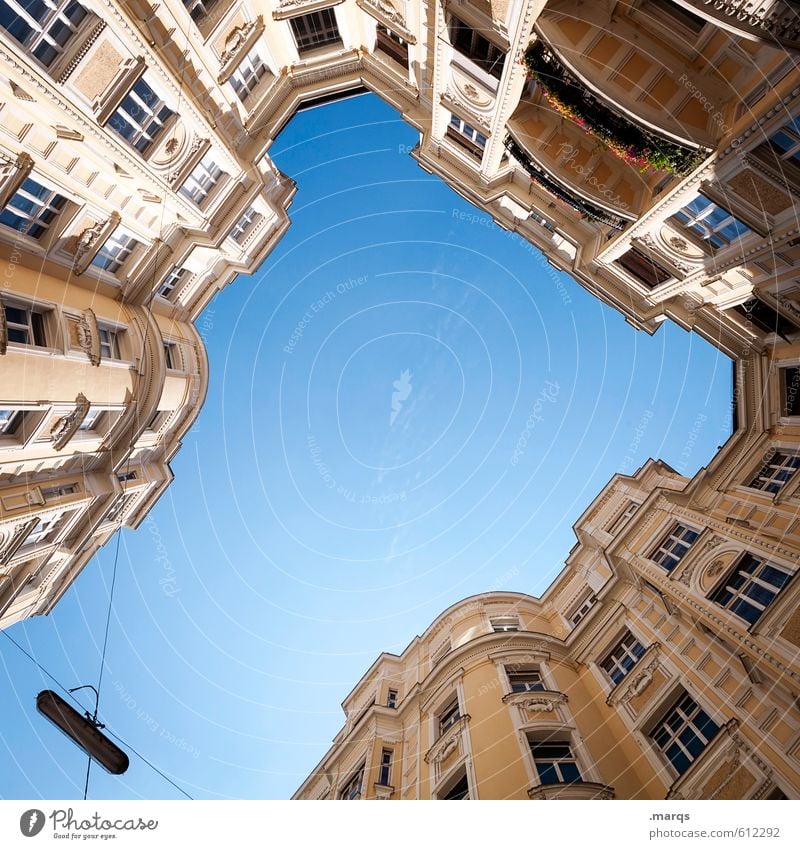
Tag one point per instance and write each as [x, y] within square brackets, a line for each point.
[639, 147]
[545, 181]
[776, 21]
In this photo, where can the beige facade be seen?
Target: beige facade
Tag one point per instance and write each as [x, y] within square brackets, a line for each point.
[663, 661]
[135, 182]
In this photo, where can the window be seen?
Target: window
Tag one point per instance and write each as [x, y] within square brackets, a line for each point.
[173, 279]
[385, 771]
[764, 317]
[622, 658]
[467, 136]
[683, 732]
[9, 421]
[790, 391]
[674, 546]
[317, 29]
[448, 716]
[711, 222]
[19, 425]
[391, 699]
[43, 27]
[91, 420]
[750, 587]
[644, 268]
[504, 623]
[249, 71]
[775, 473]
[171, 355]
[199, 9]
[459, 788]
[141, 116]
[582, 609]
[48, 528]
[118, 506]
[201, 181]
[554, 761]
[786, 142]
[25, 326]
[474, 46]
[32, 209]
[244, 225]
[352, 789]
[623, 517]
[124, 477]
[109, 343]
[59, 491]
[392, 44]
[524, 680]
[116, 250]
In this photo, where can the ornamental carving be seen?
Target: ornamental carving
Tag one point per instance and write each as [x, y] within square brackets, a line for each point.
[240, 39]
[88, 336]
[447, 743]
[18, 536]
[541, 701]
[90, 241]
[3, 329]
[65, 427]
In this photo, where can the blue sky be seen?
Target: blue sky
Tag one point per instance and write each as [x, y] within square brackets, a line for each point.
[407, 406]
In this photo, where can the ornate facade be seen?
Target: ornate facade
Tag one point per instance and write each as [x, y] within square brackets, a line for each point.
[649, 148]
[663, 661]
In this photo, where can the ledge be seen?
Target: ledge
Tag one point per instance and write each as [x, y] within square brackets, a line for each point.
[447, 742]
[536, 700]
[572, 790]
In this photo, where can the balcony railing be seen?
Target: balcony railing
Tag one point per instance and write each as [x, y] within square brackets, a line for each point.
[639, 147]
[773, 20]
[539, 176]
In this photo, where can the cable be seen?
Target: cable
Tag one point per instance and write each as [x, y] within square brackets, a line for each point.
[108, 730]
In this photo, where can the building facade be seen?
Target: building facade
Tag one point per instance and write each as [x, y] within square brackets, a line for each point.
[662, 662]
[649, 148]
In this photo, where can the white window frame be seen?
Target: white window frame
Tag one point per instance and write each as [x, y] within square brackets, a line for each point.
[249, 73]
[624, 649]
[767, 478]
[202, 181]
[695, 223]
[174, 279]
[52, 205]
[115, 251]
[754, 579]
[466, 130]
[622, 519]
[674, 538]
[317, 32]
[245, 225]
[41, 29]
[676, 703]
[500, 624]
[144, 118]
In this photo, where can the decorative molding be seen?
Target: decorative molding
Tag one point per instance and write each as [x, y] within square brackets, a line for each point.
[466, 110]
[295, 8]
[89, 336]
[536, 701]
[572, 790]
[84, 49]
[638, 679]
[13, 173]
[392, 18]
[3, 328]
[685, 575]
[237, 45]
[64, 429]
[17, 539]
[445, 745]
[91, 240]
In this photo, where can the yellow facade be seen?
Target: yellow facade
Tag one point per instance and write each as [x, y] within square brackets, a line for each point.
[136, 182]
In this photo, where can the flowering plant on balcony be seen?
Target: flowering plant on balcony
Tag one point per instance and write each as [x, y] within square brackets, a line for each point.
[613, 131]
